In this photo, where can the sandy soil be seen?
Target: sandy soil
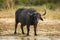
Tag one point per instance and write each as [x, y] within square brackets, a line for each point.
[47, 30]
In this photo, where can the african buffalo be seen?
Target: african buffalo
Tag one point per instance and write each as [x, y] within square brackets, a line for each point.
[27, 16]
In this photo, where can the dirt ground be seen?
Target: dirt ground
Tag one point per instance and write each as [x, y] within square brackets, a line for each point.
[48, 27]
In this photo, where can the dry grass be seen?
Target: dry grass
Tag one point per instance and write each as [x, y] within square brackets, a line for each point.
[51, 14]
[7, 13]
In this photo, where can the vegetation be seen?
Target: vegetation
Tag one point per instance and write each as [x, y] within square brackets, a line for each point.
[11, 3]
[50, 5]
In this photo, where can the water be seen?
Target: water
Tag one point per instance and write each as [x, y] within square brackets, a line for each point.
[29, 38]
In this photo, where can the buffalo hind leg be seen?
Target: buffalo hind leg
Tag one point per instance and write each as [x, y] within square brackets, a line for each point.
[35, 27]
[15, 27]
[22, 29]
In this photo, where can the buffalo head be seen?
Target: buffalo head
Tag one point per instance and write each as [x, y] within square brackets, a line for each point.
[38, 16]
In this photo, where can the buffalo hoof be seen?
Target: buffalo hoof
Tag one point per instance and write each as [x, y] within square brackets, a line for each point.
[27, 35]
[23, 33]
[35, 34]
[14, 32]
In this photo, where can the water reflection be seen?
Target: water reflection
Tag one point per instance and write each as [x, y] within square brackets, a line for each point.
[40, 38]
[28, 38]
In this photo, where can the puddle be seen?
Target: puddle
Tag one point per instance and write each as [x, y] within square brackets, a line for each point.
[28, 38]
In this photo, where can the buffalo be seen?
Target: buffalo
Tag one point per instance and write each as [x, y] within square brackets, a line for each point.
[27, 16]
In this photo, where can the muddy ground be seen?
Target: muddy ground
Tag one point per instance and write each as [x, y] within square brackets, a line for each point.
[49, 29]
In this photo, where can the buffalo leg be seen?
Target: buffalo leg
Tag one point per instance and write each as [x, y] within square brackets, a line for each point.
[35, 27]
[28, 26]
[22, 29]
[15, 27]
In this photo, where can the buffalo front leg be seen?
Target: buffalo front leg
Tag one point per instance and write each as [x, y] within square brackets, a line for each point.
[22, 29]
[15, 27]
[28, 26]
[35, 27]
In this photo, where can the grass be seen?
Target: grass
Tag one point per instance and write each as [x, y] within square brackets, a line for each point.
[51, 14]
[7, 13]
